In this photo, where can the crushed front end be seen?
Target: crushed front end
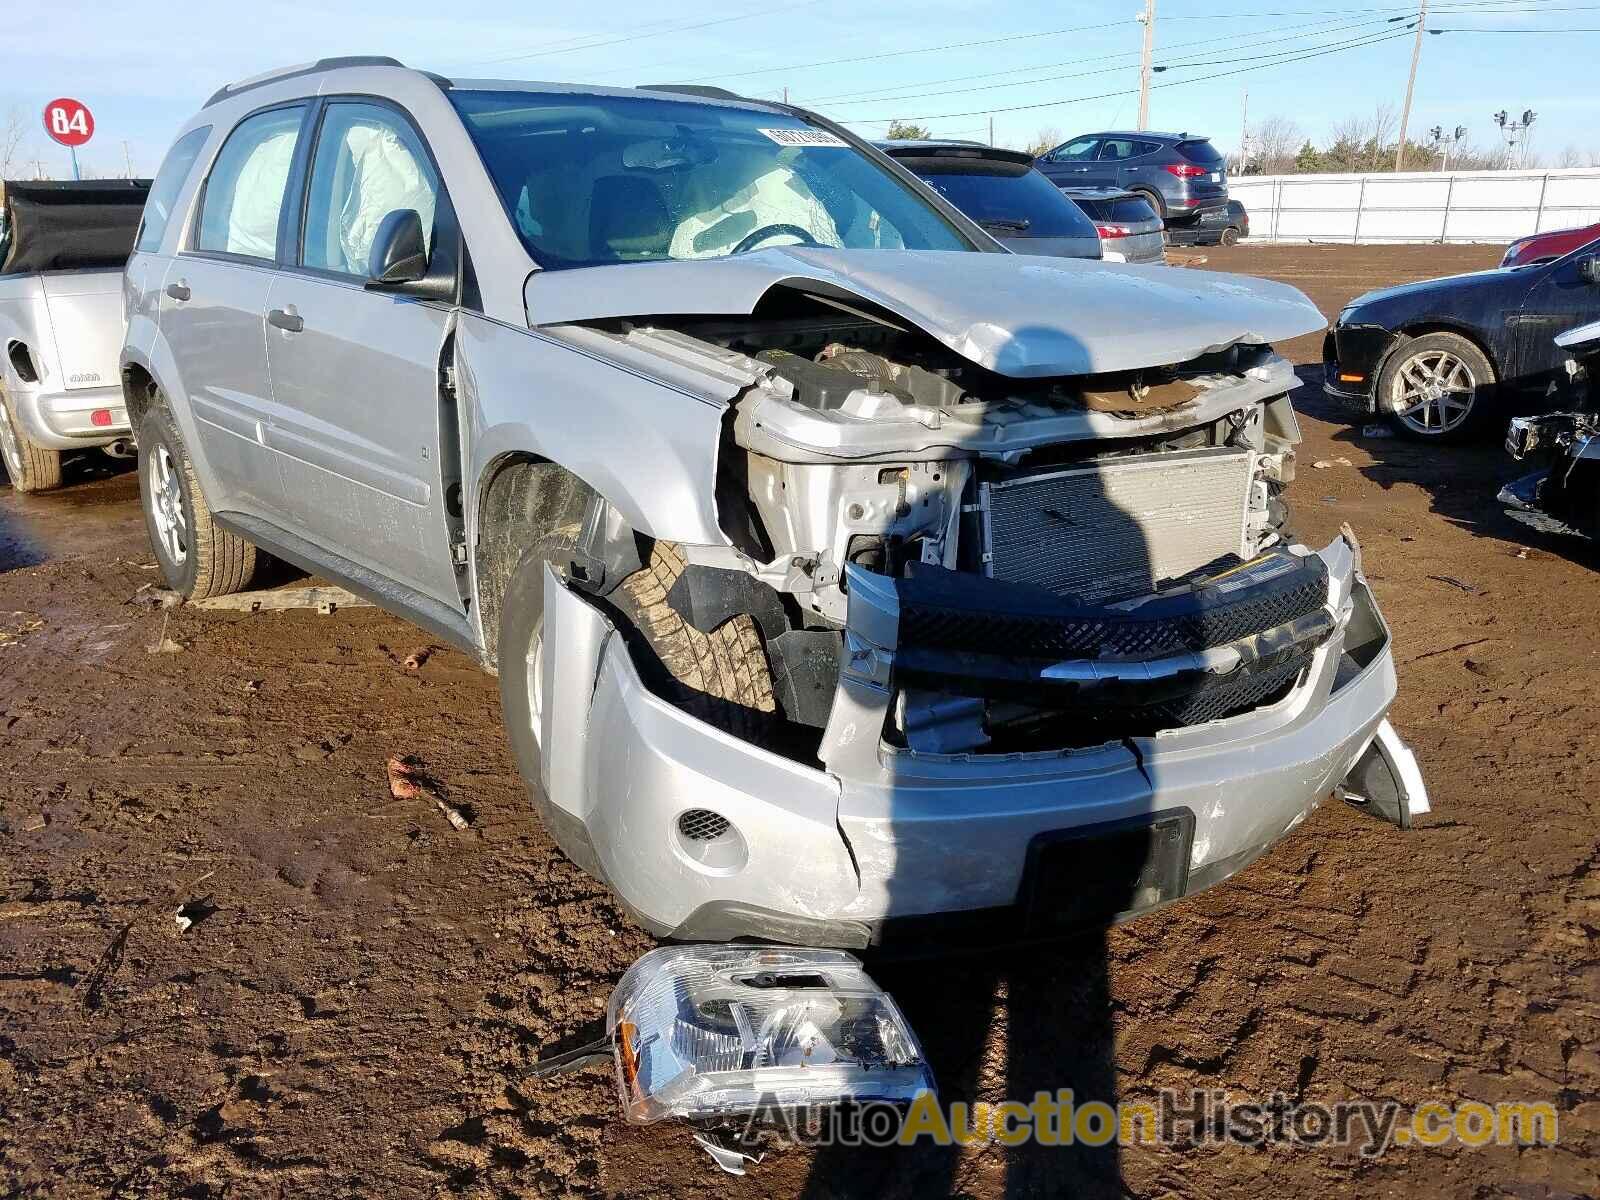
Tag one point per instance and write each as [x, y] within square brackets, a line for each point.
[1044, 653]
[1562, 493]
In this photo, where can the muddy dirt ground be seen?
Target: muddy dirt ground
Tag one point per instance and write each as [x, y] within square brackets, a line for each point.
[351, 1012]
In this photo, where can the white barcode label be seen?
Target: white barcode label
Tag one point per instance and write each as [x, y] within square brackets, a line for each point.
[804, 137]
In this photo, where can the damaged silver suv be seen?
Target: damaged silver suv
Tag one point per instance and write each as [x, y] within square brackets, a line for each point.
[849, 579]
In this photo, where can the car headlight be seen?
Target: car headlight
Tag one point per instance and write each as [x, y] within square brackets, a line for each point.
[715, 1031]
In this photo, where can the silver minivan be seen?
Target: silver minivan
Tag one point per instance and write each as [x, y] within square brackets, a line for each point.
[848, 579]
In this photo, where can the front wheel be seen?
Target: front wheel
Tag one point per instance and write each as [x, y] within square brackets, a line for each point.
[1436, 388]
[31, 467]
[198, 558]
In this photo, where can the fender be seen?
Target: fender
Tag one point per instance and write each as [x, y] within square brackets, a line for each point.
[645, 446]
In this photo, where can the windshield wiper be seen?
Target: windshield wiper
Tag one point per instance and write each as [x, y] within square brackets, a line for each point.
[1015, 224]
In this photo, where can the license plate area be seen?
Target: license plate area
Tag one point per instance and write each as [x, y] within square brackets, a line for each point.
[1082, 878]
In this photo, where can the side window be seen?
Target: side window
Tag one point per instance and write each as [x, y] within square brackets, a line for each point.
[244, 192]
[1081, 149]
[369, 163]
[1116, 149]
[1143, 148]
[168, 183]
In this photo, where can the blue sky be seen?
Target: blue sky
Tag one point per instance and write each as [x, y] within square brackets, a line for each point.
[143, 74]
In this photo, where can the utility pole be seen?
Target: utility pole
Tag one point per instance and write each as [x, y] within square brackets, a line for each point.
[1244, 131]
[1148, 19]
[1411, 84]
[127, 157]
[786, 93]
[991, 129]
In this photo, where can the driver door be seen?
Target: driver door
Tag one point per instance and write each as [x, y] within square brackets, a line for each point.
[1560, 300]
[1069, 165]
[356, 373]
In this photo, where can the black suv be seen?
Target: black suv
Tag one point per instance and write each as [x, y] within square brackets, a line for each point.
[1182, 175]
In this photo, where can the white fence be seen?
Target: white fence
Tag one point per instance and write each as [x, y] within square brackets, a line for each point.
[1449, 206]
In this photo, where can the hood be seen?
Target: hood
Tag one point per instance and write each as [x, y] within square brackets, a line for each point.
[1428, 293]
[1025, 316]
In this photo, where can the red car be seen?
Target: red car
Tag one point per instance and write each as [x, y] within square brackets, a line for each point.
[1547, 247]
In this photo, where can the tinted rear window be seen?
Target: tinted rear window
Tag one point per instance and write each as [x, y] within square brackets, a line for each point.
[1007, 197]
[1201, 153]
[1125, 210]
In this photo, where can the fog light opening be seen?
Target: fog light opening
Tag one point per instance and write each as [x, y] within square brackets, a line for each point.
[709, 840]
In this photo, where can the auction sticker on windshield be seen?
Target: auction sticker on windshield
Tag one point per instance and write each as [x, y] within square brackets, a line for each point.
[804, 137]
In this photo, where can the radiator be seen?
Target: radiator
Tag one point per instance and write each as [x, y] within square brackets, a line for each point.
[1119, 527]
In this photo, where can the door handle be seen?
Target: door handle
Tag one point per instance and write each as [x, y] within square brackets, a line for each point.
[178, 291]
[286, 319]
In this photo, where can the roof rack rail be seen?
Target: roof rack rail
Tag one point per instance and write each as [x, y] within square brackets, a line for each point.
[322, 64]
[703, 90]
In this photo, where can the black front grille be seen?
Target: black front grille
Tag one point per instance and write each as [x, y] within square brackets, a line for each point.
[1198, 619]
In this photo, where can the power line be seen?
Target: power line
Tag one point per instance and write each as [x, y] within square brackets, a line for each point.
[1387, 37]
[1181, 61]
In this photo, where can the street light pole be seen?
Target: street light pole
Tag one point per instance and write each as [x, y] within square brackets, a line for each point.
[1411, 84]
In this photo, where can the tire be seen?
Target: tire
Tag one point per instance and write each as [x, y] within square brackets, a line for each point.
[198, 558]
[722, 677]
[1156, 202]
[30, 467]
[1437, 388]
[1230, 237]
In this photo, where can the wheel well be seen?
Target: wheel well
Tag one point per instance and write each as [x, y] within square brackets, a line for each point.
[520, 499]
[22, 361]
[139, 393]
[1422, 329]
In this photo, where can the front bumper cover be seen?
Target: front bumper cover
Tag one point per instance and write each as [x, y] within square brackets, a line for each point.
[883, 844]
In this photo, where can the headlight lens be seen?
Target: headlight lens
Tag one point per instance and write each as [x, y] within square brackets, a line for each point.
[712, 1031]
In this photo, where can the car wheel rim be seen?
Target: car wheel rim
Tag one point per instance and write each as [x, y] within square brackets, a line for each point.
[166, 506]
[536, 685]
[9, 449]
[1433, 392]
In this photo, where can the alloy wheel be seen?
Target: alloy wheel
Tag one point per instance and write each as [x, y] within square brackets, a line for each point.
[1433, 392]
[166, 505]
[10, 450]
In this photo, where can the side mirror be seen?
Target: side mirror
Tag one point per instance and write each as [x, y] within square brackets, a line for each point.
[1589, 269]
[399, 253]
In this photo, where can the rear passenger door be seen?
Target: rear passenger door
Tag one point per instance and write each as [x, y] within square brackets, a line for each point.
[1113, 155]
[356, 373]
[1141, 166]
[214, 302]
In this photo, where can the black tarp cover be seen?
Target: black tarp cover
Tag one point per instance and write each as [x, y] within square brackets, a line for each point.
[65, 226]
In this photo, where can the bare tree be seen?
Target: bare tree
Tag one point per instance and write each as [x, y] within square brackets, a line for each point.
[1569, 157]
[1274, 145]
[11, 134]
[1045, 140]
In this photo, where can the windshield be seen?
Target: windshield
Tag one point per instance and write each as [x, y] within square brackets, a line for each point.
[594, 180]
[1008, 203]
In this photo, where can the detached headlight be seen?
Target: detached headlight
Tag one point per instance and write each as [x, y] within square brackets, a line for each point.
[715, 1031]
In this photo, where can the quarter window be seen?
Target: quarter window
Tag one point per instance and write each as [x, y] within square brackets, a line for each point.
[244, 194]
[168, 183]
[369, 163]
